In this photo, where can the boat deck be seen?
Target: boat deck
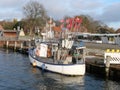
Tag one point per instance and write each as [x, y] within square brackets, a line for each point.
[47, 60]
[51, 60]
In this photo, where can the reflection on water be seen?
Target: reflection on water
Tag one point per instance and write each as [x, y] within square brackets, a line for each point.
[16, 73]
[52, 81]
[111, 85]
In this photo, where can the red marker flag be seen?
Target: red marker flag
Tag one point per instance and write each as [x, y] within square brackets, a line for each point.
[68, 20]
[62, 25]
[78, 20]
[68, 26]
[62, 20]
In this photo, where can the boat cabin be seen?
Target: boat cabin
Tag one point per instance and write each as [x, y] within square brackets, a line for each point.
[69, 54]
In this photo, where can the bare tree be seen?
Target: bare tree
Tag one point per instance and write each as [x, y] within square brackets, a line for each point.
[35, 15]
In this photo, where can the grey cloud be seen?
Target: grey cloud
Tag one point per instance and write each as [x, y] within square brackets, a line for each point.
[111, 13]
[98, 9]
[61, 8]
[12, 3]
[57, 9]
[10, 15]
[87, 5]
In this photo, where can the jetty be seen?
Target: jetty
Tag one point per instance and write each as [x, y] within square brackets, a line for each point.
[95, 60]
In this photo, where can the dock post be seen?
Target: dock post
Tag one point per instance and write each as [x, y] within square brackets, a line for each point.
[84, 53]
[21, 45]
[7, 44]
[29, 43]
[107, 65]
[15, 45]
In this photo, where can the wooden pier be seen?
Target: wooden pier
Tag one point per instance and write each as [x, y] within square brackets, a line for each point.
[95, 64]
[16, 45]
[100, 70]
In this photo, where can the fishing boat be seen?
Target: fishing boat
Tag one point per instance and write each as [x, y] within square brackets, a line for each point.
[68, 60]
[64, 56]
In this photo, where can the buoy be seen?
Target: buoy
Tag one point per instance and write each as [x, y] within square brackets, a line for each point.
[108, 50]
[34, 64]
[117, 50]
[113, 50]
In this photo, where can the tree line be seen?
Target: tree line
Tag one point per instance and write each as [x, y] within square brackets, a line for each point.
[36, 18]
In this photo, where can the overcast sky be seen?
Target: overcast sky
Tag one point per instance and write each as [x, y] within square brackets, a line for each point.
[107, 11]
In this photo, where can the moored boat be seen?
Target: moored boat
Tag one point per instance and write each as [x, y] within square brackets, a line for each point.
[68, 60]
[65, 56]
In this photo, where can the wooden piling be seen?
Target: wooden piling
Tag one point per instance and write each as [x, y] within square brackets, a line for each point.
[107, 66]
[21, 45]
[15, 45]
[29, 41]
[7, 44]
[84, 54]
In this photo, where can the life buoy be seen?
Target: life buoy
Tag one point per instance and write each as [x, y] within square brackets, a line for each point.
[34, 64]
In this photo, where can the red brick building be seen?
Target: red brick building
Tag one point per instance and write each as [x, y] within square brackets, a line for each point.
[10, 34]
[1, 28]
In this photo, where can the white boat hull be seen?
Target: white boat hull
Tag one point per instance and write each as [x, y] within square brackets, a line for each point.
[66, 69]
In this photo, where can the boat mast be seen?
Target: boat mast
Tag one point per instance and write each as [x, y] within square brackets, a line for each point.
[50, 22]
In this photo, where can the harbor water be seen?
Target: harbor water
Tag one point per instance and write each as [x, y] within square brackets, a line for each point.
[16, 73]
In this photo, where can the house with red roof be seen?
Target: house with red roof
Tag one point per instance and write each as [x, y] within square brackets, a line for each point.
[8, 34]
[57, 31]
[1, 28]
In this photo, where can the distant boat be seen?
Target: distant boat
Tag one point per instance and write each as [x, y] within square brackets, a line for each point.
[66, 57]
